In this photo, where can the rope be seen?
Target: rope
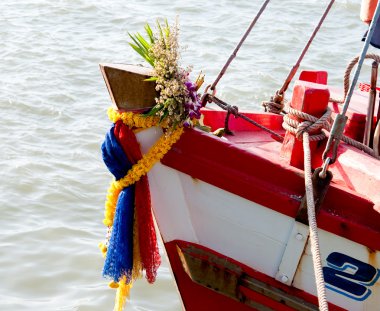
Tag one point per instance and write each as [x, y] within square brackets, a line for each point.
[296, 66]
[350, 88]
[302, 131]
[314, 240]
[341, 119]
[311, 124]
[347, 74]
[233, 55]
[276, 103]
[314, 125]
[234, 111]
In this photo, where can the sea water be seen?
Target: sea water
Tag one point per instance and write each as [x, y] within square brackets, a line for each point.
[53, 105]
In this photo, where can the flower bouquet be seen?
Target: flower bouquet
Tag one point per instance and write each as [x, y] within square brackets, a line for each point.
[178, 101]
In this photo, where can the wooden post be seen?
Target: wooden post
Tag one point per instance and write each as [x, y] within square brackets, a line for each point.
[313, 99]
[369, 128]
[314, 76]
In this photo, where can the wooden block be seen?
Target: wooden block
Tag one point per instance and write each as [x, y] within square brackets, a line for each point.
[313, 99]
[127, 88]
[314, 76]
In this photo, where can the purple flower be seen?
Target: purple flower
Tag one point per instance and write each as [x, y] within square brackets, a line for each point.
[190, 86]
[192, 107]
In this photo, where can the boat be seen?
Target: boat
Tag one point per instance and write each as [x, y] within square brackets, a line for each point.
[231, 210]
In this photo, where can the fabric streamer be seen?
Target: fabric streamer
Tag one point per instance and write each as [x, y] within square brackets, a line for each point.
[119, 257]
[150, 256]
[114, 156]
[132, 246]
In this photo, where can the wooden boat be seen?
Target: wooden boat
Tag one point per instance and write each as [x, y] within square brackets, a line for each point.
[228, 210]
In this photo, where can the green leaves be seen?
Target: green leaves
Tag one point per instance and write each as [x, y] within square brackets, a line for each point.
[164, 115]
[159, 47]
[143, 46]
[164, 31]
[149, 32]
[153, 111]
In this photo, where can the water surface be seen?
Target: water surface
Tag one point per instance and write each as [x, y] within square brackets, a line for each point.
[53, 119]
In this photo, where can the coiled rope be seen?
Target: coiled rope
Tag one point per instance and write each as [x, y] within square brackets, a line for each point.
[275, 104]
[330, 154]
[347, 74]
[313, 124]
[310, 124]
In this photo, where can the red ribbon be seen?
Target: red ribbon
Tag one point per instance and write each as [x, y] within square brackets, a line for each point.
[150, 256]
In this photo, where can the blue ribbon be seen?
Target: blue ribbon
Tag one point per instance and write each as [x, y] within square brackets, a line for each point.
[119, 258]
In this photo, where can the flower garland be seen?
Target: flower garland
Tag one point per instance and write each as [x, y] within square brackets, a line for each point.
[143, 166]
[131, 245]
[131, 119]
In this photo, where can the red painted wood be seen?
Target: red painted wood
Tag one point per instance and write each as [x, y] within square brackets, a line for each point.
[266, 301]
[355, 123]
[356, 113]
[198, 298]
[314, 76]
[215, 119]
[313, 99]
[258, 178]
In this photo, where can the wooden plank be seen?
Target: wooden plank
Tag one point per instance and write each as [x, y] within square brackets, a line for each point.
[127, 88]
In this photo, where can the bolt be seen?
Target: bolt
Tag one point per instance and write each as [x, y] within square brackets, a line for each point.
[284, 279]
[299, 236]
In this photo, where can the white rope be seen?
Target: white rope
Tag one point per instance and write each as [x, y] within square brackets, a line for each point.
[313, 124]
[314, 241]
[301, 131]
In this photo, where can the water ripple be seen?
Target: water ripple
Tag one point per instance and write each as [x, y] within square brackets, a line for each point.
[53, 119]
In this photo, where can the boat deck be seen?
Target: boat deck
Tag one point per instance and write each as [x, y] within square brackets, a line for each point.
[354, 169]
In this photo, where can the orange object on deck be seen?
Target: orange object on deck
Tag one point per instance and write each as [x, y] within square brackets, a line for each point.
[367, 10]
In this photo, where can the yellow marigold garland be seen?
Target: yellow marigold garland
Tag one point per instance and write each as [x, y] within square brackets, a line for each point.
[122, 294]
[131, 119]
[137, 271]
[143, 166]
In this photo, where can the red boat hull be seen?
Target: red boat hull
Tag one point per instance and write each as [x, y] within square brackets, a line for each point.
[202, 297]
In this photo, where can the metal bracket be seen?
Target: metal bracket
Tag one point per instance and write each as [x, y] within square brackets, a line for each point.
[293, 252]
[320, 187]
[300, 232]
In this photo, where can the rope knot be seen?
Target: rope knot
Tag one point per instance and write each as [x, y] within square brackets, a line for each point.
[276, 103]
[310, 124]
[234, 110]
[303, 127]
